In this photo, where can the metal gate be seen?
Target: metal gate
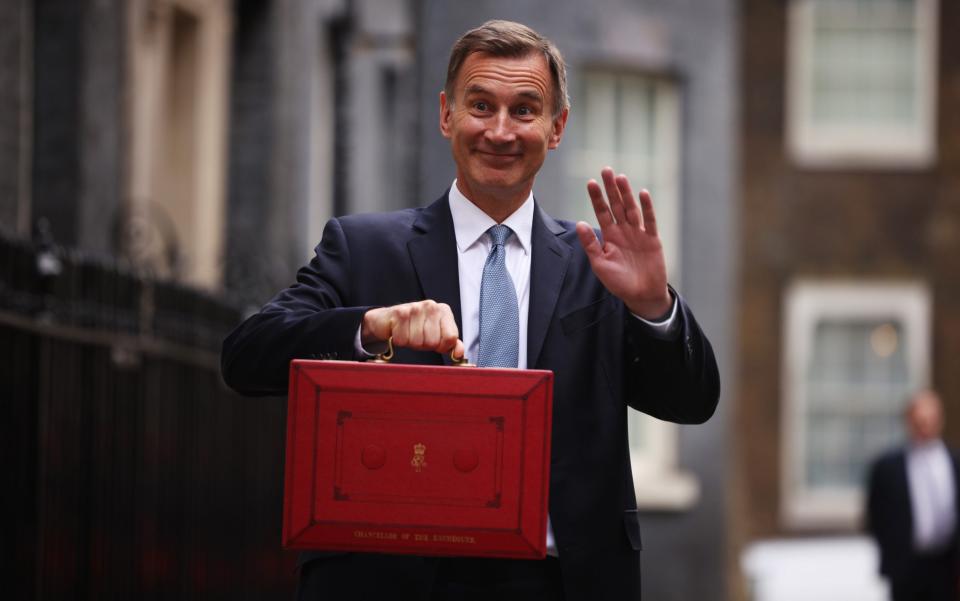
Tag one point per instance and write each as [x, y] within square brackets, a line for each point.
[133, 472]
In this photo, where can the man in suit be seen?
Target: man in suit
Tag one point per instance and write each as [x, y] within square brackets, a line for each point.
[600, 315]
[912, 508]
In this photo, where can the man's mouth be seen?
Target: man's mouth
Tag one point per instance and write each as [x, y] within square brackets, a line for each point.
[499, 156]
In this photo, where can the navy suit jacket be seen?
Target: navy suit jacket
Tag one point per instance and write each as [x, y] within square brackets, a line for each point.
[603, 360]
[889, 513]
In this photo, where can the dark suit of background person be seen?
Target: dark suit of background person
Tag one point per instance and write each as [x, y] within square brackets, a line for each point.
[603, 359]
[914, 573]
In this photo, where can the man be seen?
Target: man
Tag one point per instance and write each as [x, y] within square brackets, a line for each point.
[486, 261]
[912, 508]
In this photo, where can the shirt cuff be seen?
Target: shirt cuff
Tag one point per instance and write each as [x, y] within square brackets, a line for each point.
[363, 354]
[665, 328]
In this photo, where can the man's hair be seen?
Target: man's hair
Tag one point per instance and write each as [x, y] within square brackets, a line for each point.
[507, 39]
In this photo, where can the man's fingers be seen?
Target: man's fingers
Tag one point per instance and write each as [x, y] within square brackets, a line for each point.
[613, 194]
[422, 325]
[458, 350]
[588, 240]
[423, 313]
[376, 325]
[449, 334]
[630, 207]
[431, 331]
[649, 217]
[600, 207]
[400, 318]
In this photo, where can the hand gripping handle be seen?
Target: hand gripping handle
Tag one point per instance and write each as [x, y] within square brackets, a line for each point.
[386, 356]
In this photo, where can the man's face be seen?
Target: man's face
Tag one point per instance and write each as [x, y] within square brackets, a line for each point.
[500, 124]
[925, 417]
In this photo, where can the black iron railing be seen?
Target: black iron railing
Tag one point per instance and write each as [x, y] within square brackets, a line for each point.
[133, 473]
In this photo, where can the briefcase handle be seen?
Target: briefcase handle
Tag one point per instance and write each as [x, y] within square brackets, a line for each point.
[385, 357]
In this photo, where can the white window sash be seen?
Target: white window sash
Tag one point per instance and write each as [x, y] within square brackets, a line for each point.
[646, 147]
[806, 303]
[860, 145]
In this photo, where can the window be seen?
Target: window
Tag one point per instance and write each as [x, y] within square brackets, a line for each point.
[631, 122]
[853, 354]
[179, 61]
[862, 82]
[323, 135]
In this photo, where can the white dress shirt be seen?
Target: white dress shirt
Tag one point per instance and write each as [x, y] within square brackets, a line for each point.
[932, 495]
[470, 225]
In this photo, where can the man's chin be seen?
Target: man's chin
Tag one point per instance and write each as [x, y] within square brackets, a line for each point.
[504, 184]
[501, 175]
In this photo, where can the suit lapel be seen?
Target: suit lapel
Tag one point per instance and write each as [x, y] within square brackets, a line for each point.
[434, 256]
[548, 266]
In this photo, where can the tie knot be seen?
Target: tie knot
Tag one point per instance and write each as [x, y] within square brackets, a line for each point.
[500, 234]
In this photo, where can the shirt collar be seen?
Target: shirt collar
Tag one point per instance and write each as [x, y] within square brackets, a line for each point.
[470, 223]
[929, 446]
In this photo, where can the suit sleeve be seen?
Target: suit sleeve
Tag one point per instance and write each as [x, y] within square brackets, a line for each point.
[673, 379]
[872, 510]
[311, 320]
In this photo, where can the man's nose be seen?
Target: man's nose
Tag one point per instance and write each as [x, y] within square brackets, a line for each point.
[501, 129]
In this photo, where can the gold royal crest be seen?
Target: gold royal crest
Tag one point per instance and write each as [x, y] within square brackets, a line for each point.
[419, 460]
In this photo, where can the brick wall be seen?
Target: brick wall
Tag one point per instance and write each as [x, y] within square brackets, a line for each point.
[799, 222]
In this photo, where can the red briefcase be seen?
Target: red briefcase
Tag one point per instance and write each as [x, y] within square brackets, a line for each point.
[417, 459]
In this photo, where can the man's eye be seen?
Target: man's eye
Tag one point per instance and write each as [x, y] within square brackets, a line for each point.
[480, 106]
[524, 111]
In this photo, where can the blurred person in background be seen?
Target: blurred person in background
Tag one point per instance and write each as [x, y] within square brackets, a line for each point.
[912, 508]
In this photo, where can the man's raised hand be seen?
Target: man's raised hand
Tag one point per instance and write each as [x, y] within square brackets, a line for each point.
[630, 261]
[423, 325]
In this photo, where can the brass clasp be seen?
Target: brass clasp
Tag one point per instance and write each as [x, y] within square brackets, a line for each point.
[386, 356]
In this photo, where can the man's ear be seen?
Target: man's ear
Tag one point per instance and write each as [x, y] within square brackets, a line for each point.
[559, 124]
[445, 108]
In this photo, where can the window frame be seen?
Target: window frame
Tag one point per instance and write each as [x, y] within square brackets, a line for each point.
[197, 227]
[806, 302]
[668, 131]
[860, 145]
[659, 483]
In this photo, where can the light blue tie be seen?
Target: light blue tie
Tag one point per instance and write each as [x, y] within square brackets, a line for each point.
[499, 313]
